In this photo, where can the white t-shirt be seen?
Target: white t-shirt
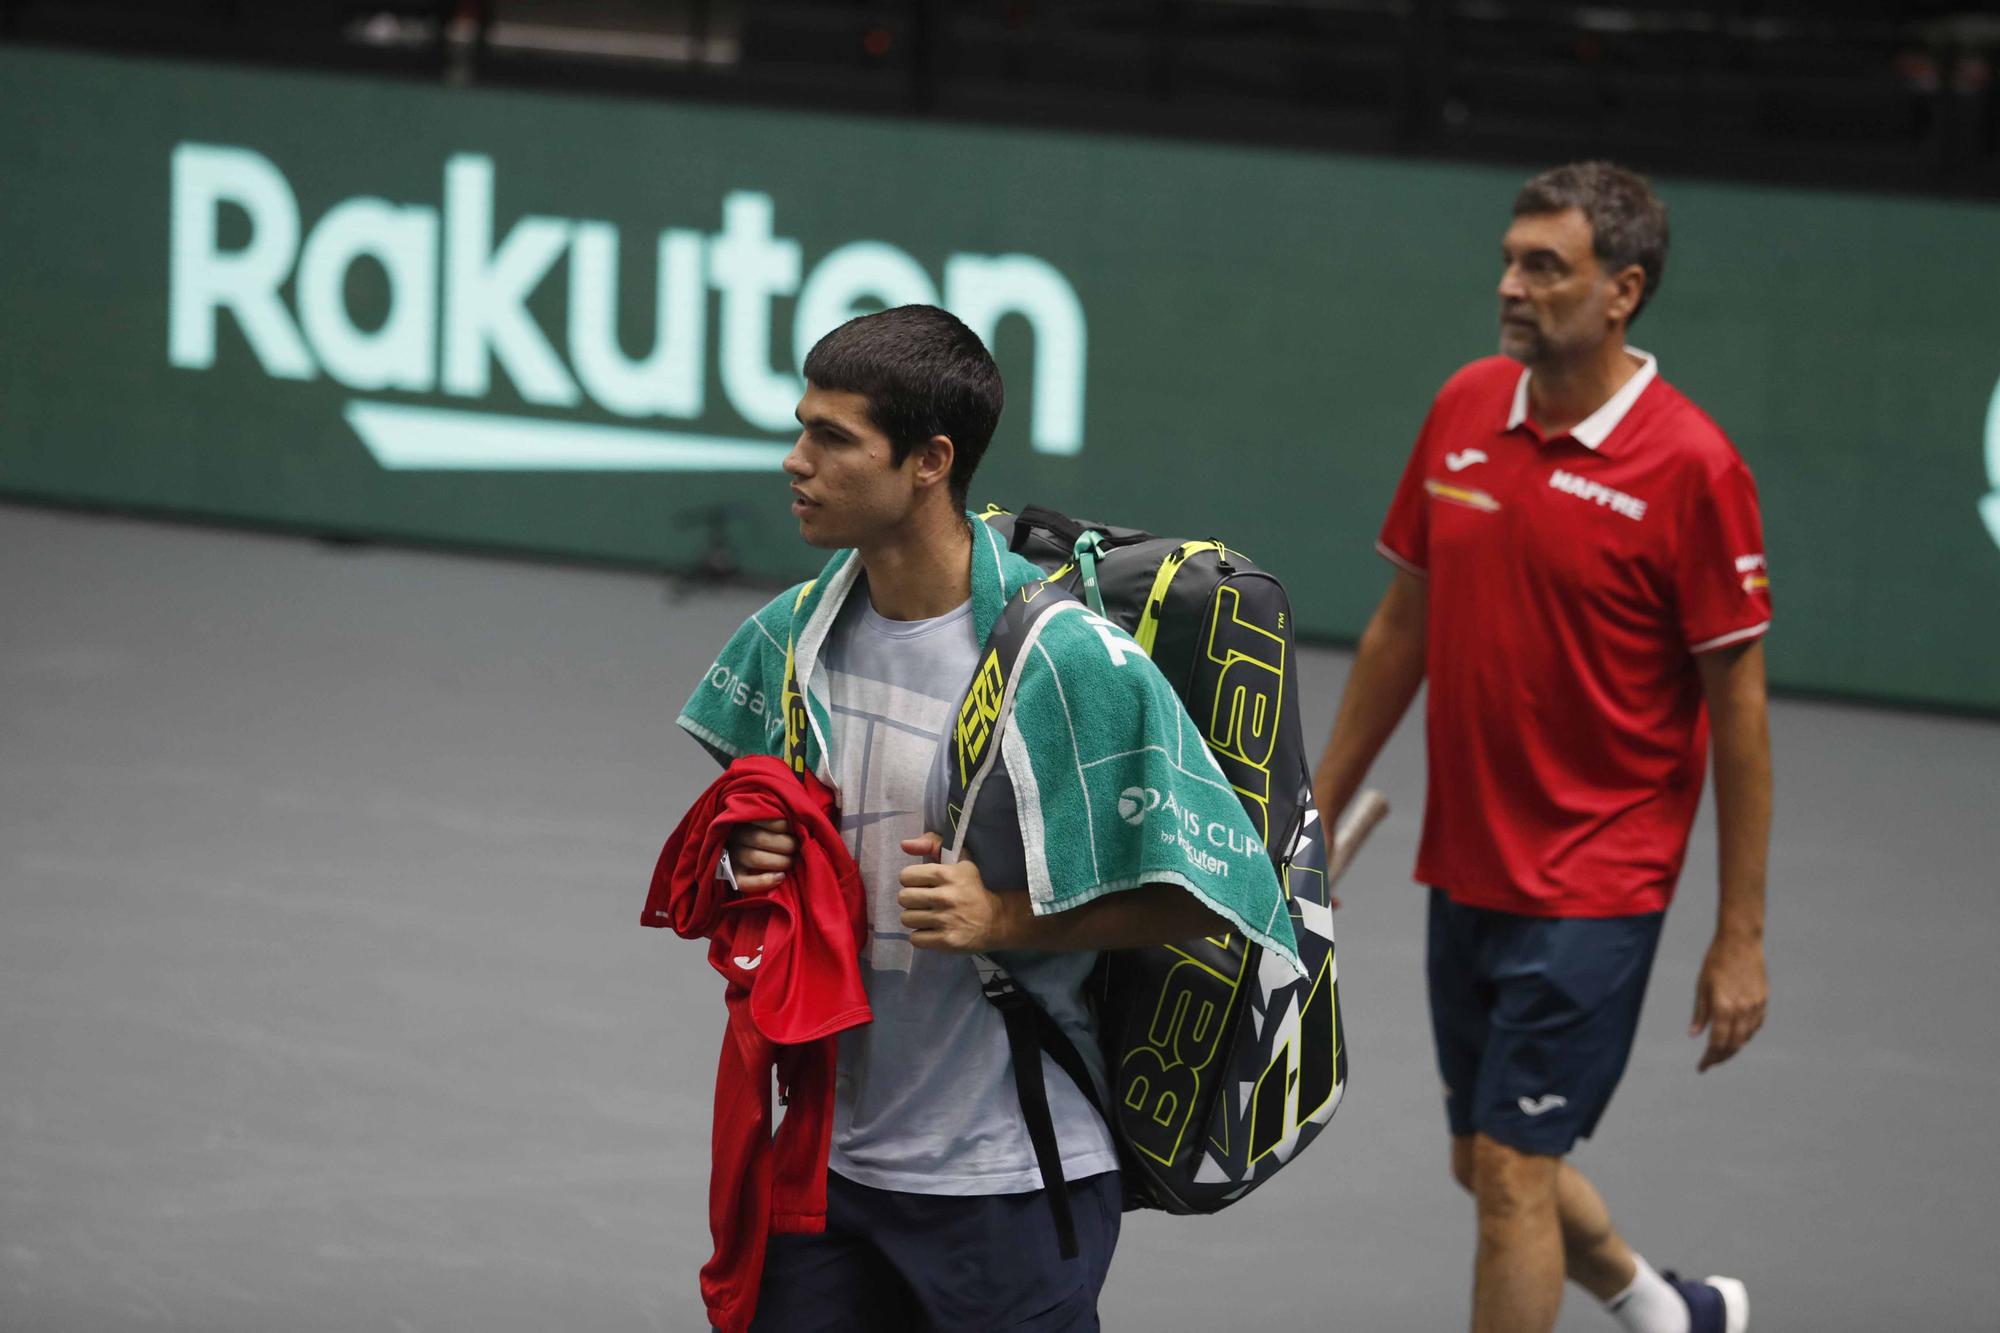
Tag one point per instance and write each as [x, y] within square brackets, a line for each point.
[925, 1101]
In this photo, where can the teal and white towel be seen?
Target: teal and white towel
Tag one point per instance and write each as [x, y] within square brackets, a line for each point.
[1113, 784]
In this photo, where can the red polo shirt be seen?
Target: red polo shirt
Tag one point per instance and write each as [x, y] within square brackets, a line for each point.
[1572, 580]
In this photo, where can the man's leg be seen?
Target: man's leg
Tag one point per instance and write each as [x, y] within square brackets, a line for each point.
[1632, 1291]
[1599, 1261]
[1518, 1276]
[992, 1261]
[834, 1282]
[1543, 1010]
[1595, 1256]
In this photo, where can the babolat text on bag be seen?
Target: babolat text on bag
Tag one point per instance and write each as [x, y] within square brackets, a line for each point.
[1224, 1064]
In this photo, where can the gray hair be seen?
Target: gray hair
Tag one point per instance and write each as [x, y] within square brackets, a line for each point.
[1628, 222]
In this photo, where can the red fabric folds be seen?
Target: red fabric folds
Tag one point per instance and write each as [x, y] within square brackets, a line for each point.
[791, 958]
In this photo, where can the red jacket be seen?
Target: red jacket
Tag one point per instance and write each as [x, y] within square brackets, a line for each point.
[791, 957]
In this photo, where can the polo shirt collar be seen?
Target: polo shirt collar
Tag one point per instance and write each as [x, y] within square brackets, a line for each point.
[1592, 431]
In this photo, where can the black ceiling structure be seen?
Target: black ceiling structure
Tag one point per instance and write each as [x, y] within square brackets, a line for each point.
[1896, 97]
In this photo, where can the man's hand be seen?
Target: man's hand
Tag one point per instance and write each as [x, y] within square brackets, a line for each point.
[1733, 988]
[1388, 667]
[1729, 997]
[949, 908]
[760, 853]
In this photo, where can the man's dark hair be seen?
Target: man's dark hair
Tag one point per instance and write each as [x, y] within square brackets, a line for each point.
[923, 373]
[1628, 222]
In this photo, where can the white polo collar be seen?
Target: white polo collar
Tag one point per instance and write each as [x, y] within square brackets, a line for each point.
[1592, 431]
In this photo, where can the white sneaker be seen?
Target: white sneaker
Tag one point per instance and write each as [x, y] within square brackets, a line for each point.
[1715, 1304]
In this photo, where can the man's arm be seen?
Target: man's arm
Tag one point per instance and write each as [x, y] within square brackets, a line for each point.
[1388, 667]
[1731, 993]
[949, 908]
[957, 912]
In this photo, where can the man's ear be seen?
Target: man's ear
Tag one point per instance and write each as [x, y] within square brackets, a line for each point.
[933, 459]
[1628, 287]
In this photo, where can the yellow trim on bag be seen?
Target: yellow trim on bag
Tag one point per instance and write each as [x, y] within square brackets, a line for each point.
[1149, 619]
[797, 722]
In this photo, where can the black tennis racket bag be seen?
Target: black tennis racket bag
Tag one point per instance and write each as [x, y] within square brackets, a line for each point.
[1224, 1065]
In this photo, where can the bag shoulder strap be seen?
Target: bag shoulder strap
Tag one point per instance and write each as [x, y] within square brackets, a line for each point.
[797, 722]
[1156, 599]
[1030, 1031]
[982, 712]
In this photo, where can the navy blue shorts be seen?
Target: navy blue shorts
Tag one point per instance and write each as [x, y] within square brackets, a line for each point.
[1534, 1018]
[894, 1261]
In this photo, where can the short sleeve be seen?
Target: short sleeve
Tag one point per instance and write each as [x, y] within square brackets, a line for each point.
[1405, 538]
[1721, 578]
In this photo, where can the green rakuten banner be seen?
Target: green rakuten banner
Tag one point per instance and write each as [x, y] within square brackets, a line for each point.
[567, 325]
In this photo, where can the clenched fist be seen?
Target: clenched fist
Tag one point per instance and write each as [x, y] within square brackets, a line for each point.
[949, 908]
[760, 852]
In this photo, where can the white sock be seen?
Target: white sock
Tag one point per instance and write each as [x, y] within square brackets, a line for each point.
[1649, 1305]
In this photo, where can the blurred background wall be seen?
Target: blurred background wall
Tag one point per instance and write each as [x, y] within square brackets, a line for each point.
[539, 277]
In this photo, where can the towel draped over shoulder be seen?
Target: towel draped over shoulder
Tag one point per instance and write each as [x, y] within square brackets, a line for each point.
[1114, 785]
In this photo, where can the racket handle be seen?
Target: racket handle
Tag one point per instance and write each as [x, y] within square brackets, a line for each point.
[1367, 810]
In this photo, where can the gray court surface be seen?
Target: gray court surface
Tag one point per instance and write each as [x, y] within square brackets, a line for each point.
[324, 1003]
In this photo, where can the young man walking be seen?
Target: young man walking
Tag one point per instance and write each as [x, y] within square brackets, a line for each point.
[937, 1215]
[1580, 574]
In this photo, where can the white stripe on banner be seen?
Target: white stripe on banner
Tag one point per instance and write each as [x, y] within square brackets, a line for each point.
[435, 439]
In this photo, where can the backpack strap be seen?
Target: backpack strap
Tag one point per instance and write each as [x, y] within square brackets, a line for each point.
[797, 722]
[1149, 619]
[1029, 1028]
[983, 711]
[1038, 517]
[1030, 1031]
[1085, 553]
